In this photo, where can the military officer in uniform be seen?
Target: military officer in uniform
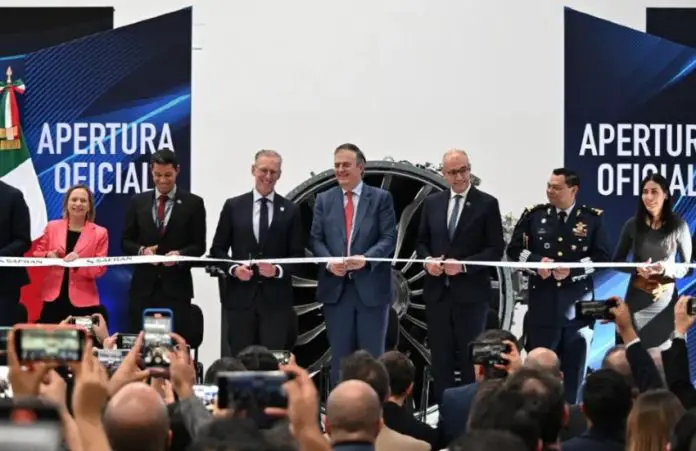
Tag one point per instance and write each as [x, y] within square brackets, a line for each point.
[560, 231]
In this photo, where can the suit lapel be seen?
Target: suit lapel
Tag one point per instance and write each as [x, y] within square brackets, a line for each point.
[468, 210]
[363, 205]
[278, 210]
[443, 206]
[86, 237]
[63, 235]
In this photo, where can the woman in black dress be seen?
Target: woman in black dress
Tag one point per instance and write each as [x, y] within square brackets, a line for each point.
[656, 234]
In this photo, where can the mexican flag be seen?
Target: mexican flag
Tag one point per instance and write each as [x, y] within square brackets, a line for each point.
[17, 169]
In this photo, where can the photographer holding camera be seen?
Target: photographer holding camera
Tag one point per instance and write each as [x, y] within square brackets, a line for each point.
[495, 354]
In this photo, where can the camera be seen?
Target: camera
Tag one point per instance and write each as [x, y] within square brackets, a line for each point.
[487, 353]
[595, 310]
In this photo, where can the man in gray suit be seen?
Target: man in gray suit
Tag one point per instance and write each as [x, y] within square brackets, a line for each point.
[354, 221]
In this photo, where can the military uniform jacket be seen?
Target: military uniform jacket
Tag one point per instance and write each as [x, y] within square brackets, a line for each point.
[540, 233]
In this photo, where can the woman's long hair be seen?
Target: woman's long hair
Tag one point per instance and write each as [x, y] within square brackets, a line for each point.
[652, 419]
[670, 221]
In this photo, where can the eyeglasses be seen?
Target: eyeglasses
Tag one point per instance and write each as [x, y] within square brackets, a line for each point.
[265, 171]
[461, 171]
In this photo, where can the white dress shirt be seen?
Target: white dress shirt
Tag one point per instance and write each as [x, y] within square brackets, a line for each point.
[357, 192]
[452, 201]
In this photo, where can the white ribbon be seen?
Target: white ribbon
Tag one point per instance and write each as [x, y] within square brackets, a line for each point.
[28, 262]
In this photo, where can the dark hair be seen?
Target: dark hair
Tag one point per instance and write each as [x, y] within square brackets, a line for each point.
[496, 335]
[165, 157]
[571, 177]
[359, 155]
[361, 366]
[506, 410]
[487, 440]
[545, 399]
[684, 434]
[225, 364]
[401, 371]
[258, 358]
[234, 434]
[607, 400]
[670, 221]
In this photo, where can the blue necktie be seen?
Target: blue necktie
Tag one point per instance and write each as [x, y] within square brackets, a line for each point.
[452, 226]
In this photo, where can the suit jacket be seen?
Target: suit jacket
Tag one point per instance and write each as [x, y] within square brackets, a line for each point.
[185, 232]
[15, 236]
[454, 412]
[596, 441]
[540, 233]
[676, 363]
[390, 440]
[93, 242]
[374, 236]
[478, 236]
[284, 240]
[400, 420]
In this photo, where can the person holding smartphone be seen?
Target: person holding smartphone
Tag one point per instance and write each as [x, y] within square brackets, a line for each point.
[72, 291]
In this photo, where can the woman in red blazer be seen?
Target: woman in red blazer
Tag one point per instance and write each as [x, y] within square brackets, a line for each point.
[72, 291]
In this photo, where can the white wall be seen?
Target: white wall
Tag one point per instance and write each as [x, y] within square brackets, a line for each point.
[401, 78]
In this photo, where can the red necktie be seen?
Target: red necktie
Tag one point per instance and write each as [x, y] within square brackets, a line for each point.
[348, 211]
[160, 212]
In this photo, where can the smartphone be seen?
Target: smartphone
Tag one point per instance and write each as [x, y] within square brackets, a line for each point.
[691, 306]
[207, 394]
[487, 353]
[126, 341]
[49, 343]
[4, 333]
[86, 322]
[110, 358]
[283, 357]
[244, 390]
[157, 343]
[595, 310]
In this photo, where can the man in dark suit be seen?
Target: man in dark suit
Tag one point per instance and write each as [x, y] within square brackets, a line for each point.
[560, 231]
[259, 224]
[354, 221]
[461, 223]
[15, 240]
[165, 221]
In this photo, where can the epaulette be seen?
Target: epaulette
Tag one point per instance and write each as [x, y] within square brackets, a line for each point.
[534, 208]
[594, 211]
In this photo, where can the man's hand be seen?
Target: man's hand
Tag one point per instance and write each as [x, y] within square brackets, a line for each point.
[181, 370]
[164, 388]
[171, 254]
[544, 272]
[338, 269]
[355, 262]
[623, 320]
[267, 269]
[303, 401]
[682, 320]
[150, 250]
[53, 388]
[452, 269]
[561, 273]
[129, 371]
[513, 358]
[91, 386]
[243, 273]
[99, 329]
[25, 381]
[110, 342]
[434, 266]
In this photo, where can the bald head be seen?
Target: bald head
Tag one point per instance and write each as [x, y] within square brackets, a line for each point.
[137, 418]
[615, 359]
[544, 359]
[353, 410]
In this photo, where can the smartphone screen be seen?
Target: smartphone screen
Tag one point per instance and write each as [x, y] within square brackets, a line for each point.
[110, 358]
[125, 341]
[207, 394]
[49, 344]
[157, 343]
[4, 332]
[84, 322]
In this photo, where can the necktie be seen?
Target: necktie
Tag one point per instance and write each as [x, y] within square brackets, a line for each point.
[263, 221]
[161, 209]
[348, 216]
[452, 225]
[562, 216]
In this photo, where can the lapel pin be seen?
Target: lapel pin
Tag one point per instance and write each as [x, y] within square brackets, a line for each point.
[282, 208]
[467, 203]
[543, 220]
[178, 201]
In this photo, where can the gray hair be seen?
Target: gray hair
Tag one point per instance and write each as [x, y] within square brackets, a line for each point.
[268, 153]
